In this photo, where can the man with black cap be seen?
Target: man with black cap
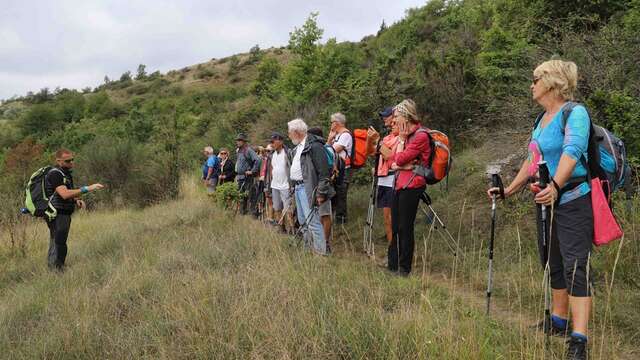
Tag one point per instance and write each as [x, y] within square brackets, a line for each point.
[280, 187]
[247, 167]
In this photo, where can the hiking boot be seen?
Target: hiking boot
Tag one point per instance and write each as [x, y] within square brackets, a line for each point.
[549, 328]
[577, 349]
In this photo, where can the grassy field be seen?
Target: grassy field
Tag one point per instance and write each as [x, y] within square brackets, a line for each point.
[187, 280]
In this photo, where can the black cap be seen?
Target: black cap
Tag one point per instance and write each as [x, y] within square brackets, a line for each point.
[276, 136]
[386, 112]
[242, 137]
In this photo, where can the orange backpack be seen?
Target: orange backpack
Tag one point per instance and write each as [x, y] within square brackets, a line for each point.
[440, 158]
[359, 150]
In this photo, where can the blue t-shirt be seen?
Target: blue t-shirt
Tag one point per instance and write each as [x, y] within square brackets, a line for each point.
[212, 162]
[574, 143]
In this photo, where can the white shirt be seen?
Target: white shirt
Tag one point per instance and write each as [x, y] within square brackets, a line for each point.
[346, 140]
[279, 180]
[386, 181]
[296, 166]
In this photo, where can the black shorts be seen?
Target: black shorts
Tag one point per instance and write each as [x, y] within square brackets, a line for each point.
[570, 241]
[385, 197]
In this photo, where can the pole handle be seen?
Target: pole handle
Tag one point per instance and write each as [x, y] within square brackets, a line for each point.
[496, 181]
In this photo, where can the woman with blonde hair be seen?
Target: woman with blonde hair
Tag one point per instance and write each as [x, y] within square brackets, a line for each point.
[413, 147]
[563, 146]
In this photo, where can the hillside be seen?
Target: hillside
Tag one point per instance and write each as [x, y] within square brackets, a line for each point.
[158, 271]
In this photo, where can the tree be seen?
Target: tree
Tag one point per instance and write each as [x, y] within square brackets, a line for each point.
[107, 81]
[304, 41]
[141, 73]
[268, 73]
[126, 76]
[255, 55]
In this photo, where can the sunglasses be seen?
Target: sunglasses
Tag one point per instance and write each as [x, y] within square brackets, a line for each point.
[223, 153]
[68, 161]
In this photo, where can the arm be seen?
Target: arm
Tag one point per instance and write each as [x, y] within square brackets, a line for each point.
[67, 193]
[520, 180]
[255, 169]
[319, 159]
[408, 152]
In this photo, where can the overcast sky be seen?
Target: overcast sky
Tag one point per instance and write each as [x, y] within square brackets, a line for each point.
[75, 43]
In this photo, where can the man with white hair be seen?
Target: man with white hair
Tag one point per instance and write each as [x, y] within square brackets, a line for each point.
[210, 171]
[342, 141]
[310, 176]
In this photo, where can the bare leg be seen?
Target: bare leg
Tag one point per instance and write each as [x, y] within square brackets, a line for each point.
[560, 306]
[580, 309]
[387, 224]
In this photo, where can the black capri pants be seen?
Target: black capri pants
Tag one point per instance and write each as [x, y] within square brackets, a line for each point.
[570, 242]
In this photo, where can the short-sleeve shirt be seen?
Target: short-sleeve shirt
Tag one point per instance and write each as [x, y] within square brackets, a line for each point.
[280, 178]
[55, 179]
[346, 140]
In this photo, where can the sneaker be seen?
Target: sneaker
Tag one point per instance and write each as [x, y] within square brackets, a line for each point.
[577, 349]
[549, 328]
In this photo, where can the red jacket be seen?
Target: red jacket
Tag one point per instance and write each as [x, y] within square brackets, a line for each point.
[416, 147]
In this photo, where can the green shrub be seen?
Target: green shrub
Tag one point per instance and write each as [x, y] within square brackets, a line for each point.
[227, 195]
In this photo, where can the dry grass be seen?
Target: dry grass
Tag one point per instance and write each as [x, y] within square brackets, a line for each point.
[184, 280]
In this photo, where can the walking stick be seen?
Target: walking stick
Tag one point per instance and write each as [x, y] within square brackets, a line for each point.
[367, 243]
[496, 182]
[543, 171]
[451, 241]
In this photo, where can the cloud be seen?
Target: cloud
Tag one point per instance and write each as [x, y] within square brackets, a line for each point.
[74, 44]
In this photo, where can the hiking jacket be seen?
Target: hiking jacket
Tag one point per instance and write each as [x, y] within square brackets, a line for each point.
[315, 169]
[247, 160]
[227, 169]
[416, 148]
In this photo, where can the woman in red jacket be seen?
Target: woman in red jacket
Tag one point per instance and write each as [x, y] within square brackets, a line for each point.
[413, 149]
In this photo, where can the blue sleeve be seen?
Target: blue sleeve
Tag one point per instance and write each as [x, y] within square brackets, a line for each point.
[211, 162]
[576, 133]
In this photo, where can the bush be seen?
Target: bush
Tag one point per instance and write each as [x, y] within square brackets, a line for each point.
[227, 195]
[133, 174]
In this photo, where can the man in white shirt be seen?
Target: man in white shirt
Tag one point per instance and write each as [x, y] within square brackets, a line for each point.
[280, 194]
[342, 141]
[310, 176]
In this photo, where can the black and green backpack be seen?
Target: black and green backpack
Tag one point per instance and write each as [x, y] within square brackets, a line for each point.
[36, 200]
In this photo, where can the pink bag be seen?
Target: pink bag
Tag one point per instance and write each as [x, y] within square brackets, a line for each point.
[605, 226]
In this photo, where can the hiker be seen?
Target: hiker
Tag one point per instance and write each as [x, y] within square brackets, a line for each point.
[279, 183]
[64, 198]
[326, 213]
[264, 194]
[309, 174]
[226, 167]
[342, 141]
[413, 149]
[385, 174]
[247, 167]
[567, 197]
[210, 170]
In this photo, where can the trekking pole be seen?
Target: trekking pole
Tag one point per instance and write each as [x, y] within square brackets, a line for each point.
[496, 182]
[450, 240]
[367, 244]
[543, 171]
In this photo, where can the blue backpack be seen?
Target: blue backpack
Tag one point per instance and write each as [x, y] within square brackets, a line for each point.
[607, 156]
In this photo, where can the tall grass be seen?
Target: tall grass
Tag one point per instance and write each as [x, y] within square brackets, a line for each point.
[187, 279]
